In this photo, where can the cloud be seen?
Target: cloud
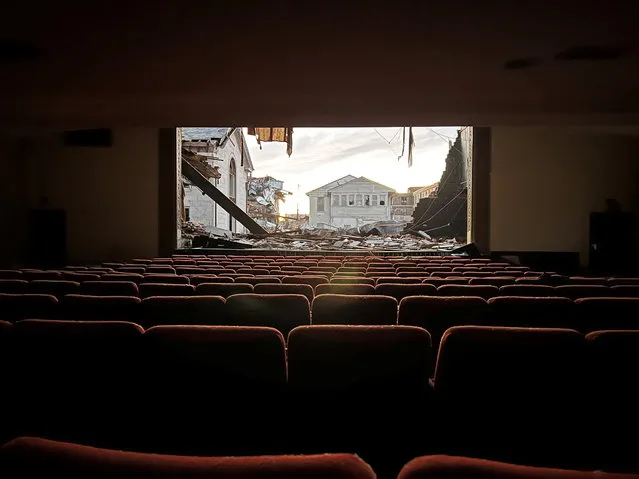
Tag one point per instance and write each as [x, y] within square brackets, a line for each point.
[321, 155]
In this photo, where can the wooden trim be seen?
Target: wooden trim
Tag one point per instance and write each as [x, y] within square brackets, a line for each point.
[167, 191]
[481, 188]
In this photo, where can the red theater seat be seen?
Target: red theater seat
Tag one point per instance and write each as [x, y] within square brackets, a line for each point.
[32, 457]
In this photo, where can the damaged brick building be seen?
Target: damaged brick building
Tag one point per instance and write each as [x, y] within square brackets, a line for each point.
[444, 214]
[224, 159]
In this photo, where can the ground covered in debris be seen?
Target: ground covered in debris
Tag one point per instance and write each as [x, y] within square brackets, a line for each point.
[309, 239]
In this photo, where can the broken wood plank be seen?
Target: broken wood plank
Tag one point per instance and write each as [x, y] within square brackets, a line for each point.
[220, 198]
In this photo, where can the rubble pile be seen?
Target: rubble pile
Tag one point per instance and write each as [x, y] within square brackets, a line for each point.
[330, 240]
[191, 229]
[372, 238]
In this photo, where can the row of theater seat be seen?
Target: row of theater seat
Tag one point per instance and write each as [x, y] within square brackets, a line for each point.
[286, 311]
[309, 286]
[328, 273]
[514, 394]
[35, 457]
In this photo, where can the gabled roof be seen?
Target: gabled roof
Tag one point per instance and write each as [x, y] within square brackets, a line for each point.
[333, 184]
[362, 179]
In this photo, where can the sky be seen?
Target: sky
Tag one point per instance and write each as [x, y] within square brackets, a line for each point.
[322, 155]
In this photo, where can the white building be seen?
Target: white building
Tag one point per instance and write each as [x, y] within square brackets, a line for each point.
[349, 202]
[226, 150]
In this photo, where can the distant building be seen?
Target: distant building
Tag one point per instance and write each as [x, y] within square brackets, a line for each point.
[402, 207]
[225, 150]
[263, 202]
[424, 192]
[349, 202]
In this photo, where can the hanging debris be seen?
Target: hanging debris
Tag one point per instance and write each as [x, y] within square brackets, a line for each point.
[284, 135]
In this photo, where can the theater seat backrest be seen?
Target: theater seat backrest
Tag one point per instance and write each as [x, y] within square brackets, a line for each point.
[438, 313]
[576, 291]
[31, 457]
[280, 311]
[223, 289]
[168, 289]
[96, 308]
[226, 357]
[183, 310]
[272, 279]
[399, 291]
[614, 359]
[14, 307]
[11, 274]
[165, 278]
[625, 291]
[109, 288]
[376, 363]
[592, 314]
[483, 291]
[351, 280]
[212, 388]
[76, 370]
[531, 312]
[312, 281]
[133, 277]
[57, 288]
[398, 280]
[276, 288]
[440, 467]
[14, 286]
[209, 278]
[365, 289]
[502, 366]
[531, 290]
[354, 309]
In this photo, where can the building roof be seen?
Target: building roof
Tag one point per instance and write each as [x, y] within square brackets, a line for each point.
[333, 184]
[344, 180]
[189, 134]
[367, 180]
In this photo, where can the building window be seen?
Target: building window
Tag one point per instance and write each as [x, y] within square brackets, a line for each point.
[358, 200]
[367, 200]
[382, 200]
[344, 200]
[320, 204]
[232, 180]
[403, 200]
[351, 200]
[187, 214]
[374, 203]
[335, 200]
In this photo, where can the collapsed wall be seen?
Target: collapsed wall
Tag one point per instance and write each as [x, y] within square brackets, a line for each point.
[444, 215]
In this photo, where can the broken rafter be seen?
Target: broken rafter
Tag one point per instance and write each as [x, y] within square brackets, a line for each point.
[198, 179]
[201, 165]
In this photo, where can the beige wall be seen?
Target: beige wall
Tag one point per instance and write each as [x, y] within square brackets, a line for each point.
[544, 182]
[110, 194]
